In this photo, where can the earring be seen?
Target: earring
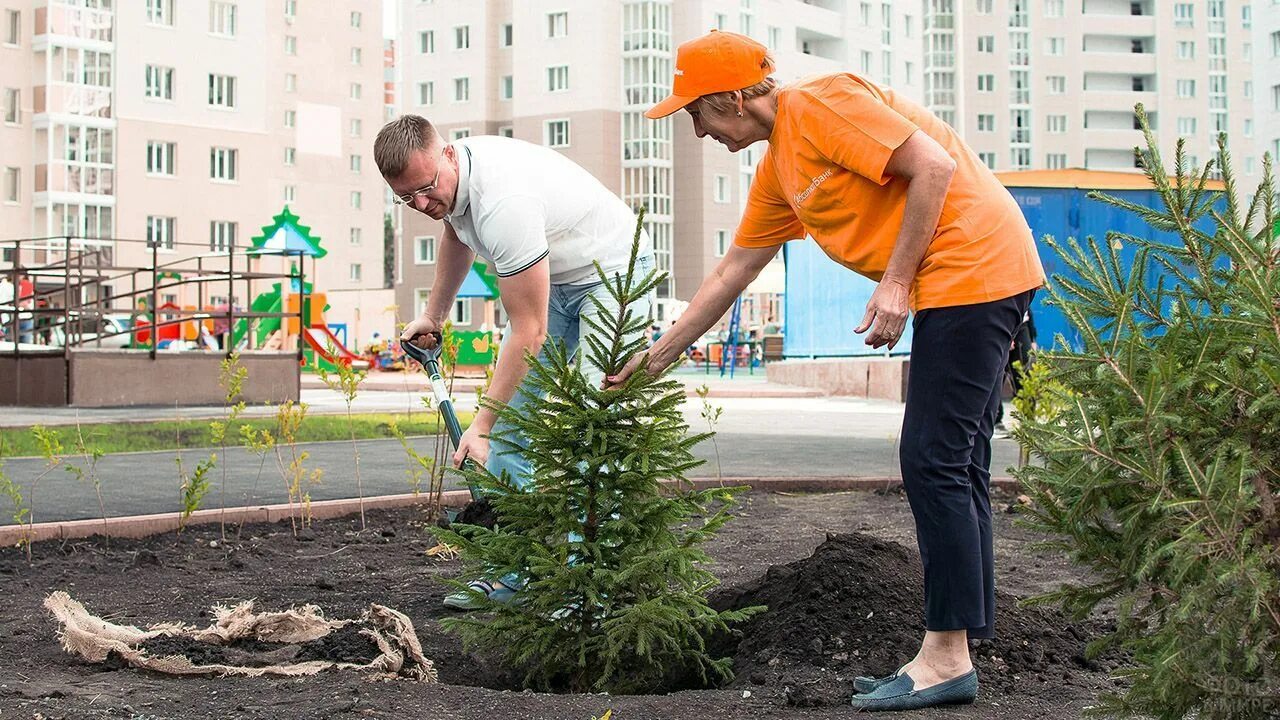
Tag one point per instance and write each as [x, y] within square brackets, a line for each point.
[739, 113]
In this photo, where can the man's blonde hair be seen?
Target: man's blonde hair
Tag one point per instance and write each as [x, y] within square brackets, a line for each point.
[723, 103]
[398, 140]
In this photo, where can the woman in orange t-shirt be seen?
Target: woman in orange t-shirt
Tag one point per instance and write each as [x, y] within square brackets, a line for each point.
[889, 191]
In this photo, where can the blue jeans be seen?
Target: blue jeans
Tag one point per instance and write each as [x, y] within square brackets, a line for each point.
[567, 310]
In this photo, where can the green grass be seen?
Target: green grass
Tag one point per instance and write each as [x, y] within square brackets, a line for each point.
[172, 434]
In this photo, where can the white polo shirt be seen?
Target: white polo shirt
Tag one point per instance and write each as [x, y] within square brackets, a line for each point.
[518, 202]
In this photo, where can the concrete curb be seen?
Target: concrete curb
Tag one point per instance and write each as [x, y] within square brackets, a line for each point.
[797, 392]
[139, 526]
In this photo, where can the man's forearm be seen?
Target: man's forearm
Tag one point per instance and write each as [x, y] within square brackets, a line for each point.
[925, 197]
[452, 264]
[508, 373]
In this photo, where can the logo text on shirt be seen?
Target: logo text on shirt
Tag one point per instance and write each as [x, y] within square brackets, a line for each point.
[804, 194]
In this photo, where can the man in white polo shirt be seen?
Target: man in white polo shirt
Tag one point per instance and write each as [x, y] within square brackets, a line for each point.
[539, 218]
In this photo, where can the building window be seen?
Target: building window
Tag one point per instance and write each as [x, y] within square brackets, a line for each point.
[427, 42]
[1053, 8]
[506, 131]
[290, 118]
[462, 312]
[160, 232]
[160, 12]
[864, 14]
[222, 18]
[1186, 50]
[1057, 123]
[1055, 46]
[909, 72]
[356, 163]
[722, 242]
[1184, 14]
[426, 93]
[721, 21]
[984, 7]
[986, 43]
[290, 193]
[290, 82]
[357, 90]
[461, 89]
[508, 86]
[1056, 161]
[557, 133]
[988, 159]
[558, 78]
[506, 35]
[159, 82]
[1186, 126]
[557, 24]
[775, 38]
[12, 184]
[357, 128]
[222, 164]
[357, 56]
[356, 19]
[12, 27]
[1275, 44]
[356, 200]
[1275, 97]
[986, 123]
[459, 133]
[12, 106]
[462, 37]
[290, 8]
[290, 156]
[720, 188]
[1057, 84]
[1248, 89]
[865, 64]
[1186, 88]
[1248, 127]
[986, 83]
[222, 91]
[424, 250]
[222, 235]
[355, 273]
[160, 157]
[290, 45]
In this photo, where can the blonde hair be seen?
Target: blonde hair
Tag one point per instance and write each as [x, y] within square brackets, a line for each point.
[398, 140]
[723, 103]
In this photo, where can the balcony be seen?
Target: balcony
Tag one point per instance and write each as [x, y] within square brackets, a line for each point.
[1112, 25]
[72, 27]
[1117, 100]
[815, 17]
[65, 178]
[1113, 139]
[1130, 63]
[83, 100]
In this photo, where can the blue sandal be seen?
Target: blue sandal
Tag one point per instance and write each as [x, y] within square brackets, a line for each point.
[470, 599]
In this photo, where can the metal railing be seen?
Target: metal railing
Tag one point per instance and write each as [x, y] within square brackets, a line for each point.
[76, 280]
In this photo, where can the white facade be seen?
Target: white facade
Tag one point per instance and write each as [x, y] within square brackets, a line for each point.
[1052, 83]
[1266, 78]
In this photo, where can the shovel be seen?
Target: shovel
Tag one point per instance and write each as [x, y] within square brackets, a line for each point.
[430, 361]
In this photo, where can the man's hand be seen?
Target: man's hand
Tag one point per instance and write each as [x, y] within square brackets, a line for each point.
[886, 315]
[422, 332]
[618, 378]
[472, 446]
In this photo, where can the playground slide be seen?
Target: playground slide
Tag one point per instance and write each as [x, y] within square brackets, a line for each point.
[322, 338]
[264, 303]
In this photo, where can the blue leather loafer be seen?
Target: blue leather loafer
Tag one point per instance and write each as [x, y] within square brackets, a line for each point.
[865, 683]
[900, 694]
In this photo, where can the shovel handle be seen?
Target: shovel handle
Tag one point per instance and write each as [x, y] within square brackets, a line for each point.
[430, 361]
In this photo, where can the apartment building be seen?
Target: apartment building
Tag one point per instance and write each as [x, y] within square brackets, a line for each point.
[1266, 76]
[190, 123]
[1053, 83]
[577, 75]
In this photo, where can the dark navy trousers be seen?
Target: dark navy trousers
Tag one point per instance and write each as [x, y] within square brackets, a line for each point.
[953, 392]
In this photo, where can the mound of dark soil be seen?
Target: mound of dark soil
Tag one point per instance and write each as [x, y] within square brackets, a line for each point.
[478, 512]
[854, 608]
[345, 644]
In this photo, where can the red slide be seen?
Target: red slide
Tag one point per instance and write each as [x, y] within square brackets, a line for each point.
[321, 339]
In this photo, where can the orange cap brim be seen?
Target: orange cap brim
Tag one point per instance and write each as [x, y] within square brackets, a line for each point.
[668, 106]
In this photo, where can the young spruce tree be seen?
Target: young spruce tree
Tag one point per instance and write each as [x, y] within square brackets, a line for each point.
[1158, 460]
[615, 593]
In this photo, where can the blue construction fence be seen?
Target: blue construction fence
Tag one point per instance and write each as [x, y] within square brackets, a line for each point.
[825, 301]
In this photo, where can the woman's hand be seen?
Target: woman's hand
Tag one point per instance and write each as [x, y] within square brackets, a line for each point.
[886, 315]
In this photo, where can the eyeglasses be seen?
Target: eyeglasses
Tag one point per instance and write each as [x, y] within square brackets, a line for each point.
[408, 198]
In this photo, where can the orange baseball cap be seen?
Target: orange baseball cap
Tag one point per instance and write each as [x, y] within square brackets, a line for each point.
[716, 62]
